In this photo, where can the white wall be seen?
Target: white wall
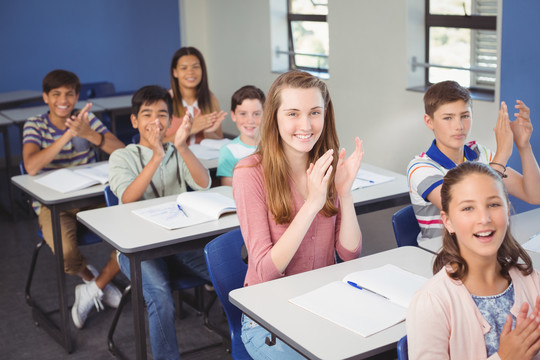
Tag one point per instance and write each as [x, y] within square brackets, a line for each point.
[368, 70]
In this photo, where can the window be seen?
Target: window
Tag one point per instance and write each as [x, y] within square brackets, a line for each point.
[300, 40]
[460, 44]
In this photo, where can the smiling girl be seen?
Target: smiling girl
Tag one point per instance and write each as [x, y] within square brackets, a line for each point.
[293, 196]
[477, 303]
[191, 94]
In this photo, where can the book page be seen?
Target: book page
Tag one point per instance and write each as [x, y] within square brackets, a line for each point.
[65, 180]
[170, 216]
[396, 284]
[205, 203]
[215, 143]
[533, 244]
[99, 173]
[366, 178]
[204, 152]
[358, 310]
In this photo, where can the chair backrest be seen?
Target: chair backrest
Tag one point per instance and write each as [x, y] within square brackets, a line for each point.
[402, 349]
[96, 90]
[406, 228]
[136, 138]
[227, 271]
[110, 198]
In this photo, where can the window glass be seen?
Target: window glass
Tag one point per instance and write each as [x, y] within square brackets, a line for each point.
[318, 7]
[450, 47]
[310, 37]
[450, 7]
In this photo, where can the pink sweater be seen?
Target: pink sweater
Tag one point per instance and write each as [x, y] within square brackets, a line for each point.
[443, 321]
[260, 231]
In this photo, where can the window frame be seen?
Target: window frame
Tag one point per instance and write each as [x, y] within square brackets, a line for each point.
[291, 53]
[473, 22]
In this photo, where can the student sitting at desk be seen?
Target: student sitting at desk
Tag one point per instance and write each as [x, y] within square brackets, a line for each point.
[449, 116]
[246, 112]
[150, 170]
[476, 305]
[191, 94]
[293, 196]
[63, 138]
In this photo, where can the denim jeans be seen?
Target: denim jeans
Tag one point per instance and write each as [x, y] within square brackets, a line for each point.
[253, 336]
[156, 276]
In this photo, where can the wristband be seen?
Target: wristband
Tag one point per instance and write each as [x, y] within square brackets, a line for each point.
[102, 141]
[501, 165]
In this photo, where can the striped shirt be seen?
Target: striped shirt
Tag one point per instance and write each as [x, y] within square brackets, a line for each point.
[425, 173]
[41, 131]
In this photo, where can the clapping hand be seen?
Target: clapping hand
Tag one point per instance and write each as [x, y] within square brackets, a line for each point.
[348, 168]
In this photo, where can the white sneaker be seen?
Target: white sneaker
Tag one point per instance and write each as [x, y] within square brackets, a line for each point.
[86, 295]
[111, 294]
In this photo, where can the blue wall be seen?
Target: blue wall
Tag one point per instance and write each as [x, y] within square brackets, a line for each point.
[520, 70]
[127, 42]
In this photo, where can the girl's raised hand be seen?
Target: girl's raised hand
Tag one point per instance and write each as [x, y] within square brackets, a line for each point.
[524, 341]
[522, 127]
[348, 168]
[503, 135]
[183, 132]
[216, 118]
[318, 175]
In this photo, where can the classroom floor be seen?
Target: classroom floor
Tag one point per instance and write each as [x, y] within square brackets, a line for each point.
[21, 339]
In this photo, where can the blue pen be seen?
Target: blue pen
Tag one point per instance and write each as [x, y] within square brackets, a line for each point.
[369, 181]
[353, 284]
[182, 210]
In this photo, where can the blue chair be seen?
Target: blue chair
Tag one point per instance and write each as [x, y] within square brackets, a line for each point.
[84, 237]
[406, 228]
[96, 90]
[228, 270]
[136, 138]
[402, 349]
[180, 284]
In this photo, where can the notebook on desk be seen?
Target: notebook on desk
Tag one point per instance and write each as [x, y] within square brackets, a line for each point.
[190, 208]
[364, 302]
[366, 178]
[67, 180]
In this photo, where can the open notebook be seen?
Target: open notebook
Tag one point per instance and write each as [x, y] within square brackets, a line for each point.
[365, 302]
[208, 149]
[190, 208]
[67, 180]
[366, 178]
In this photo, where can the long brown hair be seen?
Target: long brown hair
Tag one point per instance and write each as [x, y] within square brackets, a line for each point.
[270, 149]
[204, 98]
[509, 252]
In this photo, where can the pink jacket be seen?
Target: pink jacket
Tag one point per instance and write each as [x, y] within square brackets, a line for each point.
[443, 321]
[260, 232]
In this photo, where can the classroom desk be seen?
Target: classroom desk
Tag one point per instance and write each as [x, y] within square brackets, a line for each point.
[311, 335]
[20, 115]
[58, 202]
[12, 99]
[523, 226]
[141, 240]
[381, 196]
[4, 128]
[114, 106]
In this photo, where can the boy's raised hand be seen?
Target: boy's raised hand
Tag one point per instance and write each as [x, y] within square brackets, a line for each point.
[183, 132]
[78, 125]
[503, 135]
[154, 138]
[318, 175]
[348, 168]
[522, 127]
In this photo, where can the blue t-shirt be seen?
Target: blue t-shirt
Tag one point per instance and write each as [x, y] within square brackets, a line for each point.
[230, 154]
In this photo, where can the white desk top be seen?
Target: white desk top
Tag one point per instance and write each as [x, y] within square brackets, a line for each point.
[314, 336]
[48, 196]
[129, 233]
[522, 225]
[22, 114]
[114, 102]
[19, 95]
[4, 120]
[378, 192]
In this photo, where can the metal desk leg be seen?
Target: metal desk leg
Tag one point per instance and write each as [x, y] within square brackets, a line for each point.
[7, 154]
[138, 306]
